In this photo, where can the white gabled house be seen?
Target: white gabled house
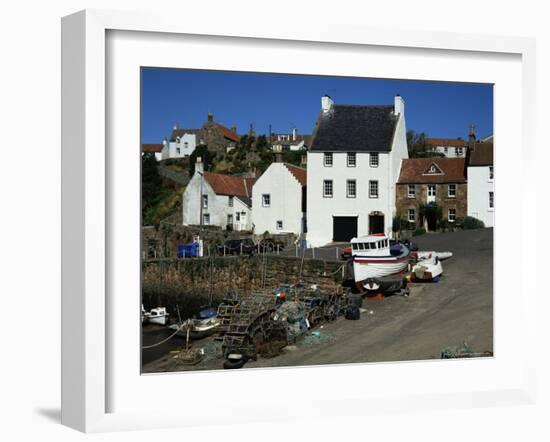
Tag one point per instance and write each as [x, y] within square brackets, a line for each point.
[182, 143]
[352, 168]
[215, 199]
[481, 180]
[279, 200]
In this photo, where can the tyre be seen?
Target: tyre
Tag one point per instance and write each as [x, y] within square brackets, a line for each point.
[234, 364]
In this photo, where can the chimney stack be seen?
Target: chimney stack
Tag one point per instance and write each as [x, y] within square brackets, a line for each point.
[294, 134]
[278, 153]
[326, 104]
[199, 166]
[472, 138]
[210, 117]
[398, 105]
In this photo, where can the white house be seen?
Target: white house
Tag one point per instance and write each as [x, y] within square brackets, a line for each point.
[481, 186]
[182, 143]
[352, 167]
[279, 200]
[448, 147]
[292, 141]
[218, 200]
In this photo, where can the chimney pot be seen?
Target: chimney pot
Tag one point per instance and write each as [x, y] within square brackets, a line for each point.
[398, 105]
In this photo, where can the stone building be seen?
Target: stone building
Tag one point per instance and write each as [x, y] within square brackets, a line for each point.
[217, 137]
[429, 185]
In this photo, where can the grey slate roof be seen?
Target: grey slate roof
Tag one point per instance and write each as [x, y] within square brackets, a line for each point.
[181, 132]
[352, 128]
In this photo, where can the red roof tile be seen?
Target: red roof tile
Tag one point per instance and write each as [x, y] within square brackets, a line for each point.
[151, 148]
[445, 142]
[299, 173]
[228, 133]
[230, 184]
[416, 170]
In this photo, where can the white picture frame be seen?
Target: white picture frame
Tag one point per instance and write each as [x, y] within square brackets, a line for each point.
[86, 206]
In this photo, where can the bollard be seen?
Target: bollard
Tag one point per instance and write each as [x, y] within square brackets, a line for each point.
[296, 250]
[313, 252]
[336, 252]
[277, 249]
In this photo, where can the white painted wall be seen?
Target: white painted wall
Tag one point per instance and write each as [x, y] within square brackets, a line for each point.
[286, 201]
[218, 206]
[451, 151]
[479, 186]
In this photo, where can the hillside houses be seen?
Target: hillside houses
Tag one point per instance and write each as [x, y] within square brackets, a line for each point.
[481, 179]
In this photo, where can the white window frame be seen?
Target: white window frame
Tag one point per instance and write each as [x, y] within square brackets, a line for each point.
[328, 159]
[205, 217]
[413, 212]
[348, 194]
[351, 155]
[279, 224]
[449, 195]
[371, 194]
[374, 159]
[237, 216]
[325, 194]
[268, 195]
[434, 187]
[491, 200]
[449, 214]
[178, 151]
[491, 173]
[230, 201]
[205, 201]
[458, 151]
[413, 194]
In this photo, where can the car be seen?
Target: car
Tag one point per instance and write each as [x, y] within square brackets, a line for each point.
[271, 245]
[237, 247]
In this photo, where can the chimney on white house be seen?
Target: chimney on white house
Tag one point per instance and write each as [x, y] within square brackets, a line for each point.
[199, 166]
[175, 127]
[326, 103]
[399, 105]
[294, 134]
[164, 141]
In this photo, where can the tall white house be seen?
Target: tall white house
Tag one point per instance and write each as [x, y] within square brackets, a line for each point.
[215, 199]
[481, 182]
[352, 168]
[279, 200]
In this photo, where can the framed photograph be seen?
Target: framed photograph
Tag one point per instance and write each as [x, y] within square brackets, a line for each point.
[251, 212]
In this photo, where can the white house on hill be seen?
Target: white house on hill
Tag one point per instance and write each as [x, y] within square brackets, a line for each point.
[215, 199]
[182, 143]
[353, 164]
[279, 200]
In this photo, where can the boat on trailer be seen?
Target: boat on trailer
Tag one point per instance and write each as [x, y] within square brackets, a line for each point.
[377, 266]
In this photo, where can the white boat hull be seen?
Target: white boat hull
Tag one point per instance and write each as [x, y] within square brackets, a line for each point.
[365, 270]
[160, 320]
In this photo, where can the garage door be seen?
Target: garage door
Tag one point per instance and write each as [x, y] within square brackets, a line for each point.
[344, 228]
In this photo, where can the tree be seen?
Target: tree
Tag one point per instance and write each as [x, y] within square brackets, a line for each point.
[207, 158]
[151, 181]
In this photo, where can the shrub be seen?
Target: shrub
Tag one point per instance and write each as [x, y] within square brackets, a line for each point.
[418, 232]
[469, 222]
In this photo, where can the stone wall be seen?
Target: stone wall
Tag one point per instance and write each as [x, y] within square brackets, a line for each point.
[403, 202]
[190, 283]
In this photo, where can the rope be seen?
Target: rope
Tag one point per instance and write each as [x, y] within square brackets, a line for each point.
[164, 340]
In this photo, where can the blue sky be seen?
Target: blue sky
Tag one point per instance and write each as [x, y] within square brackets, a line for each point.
[184, 97]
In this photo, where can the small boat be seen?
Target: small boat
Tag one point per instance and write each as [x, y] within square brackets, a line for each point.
[428, 269]
[203, 324]
[144, 315]
[440, 255]
[375, 262]
[158, 316]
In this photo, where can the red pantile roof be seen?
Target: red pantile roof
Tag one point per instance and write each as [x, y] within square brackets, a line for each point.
[230, 184]
[416, 170]
[228, 133]
[151, 148]
[299, 173]
[445, 142]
